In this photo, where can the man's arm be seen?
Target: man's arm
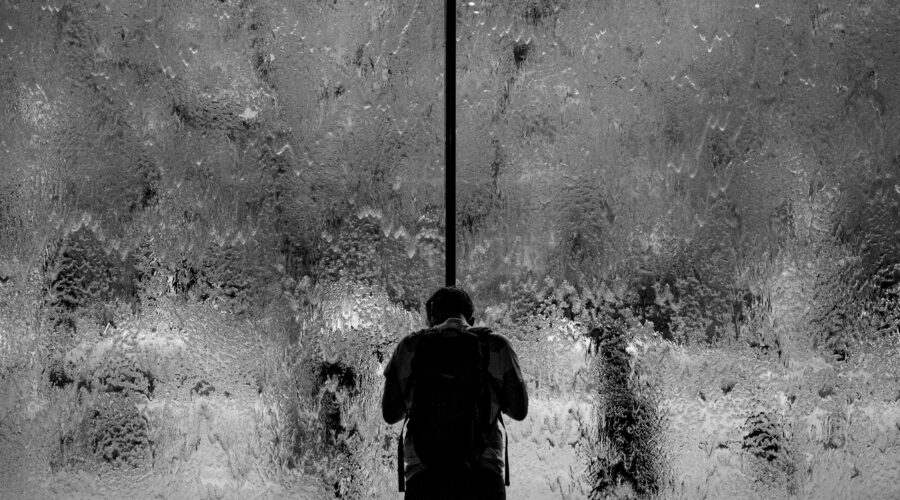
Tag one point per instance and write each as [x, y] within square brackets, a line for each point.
[515, 395]
[393, 408]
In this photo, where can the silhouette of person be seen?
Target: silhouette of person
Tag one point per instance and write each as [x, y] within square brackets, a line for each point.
[449, 314]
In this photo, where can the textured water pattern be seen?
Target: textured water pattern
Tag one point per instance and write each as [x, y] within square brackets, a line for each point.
[217, 218]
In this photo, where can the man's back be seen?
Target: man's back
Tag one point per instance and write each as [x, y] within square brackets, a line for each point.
[507, 394]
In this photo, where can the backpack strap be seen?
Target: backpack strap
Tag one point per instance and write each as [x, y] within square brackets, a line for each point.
[401, 469]
[505, 451]
[401, 466]
[486, 353]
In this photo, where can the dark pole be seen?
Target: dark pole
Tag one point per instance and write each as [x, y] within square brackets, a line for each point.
[450, 139]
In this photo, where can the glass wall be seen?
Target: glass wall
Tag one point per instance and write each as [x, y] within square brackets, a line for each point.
[219, 217]
[710, 191]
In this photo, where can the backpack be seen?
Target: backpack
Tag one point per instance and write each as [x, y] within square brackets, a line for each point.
[450, 414]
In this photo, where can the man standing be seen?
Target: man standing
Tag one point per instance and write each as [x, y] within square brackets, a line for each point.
[451, 382]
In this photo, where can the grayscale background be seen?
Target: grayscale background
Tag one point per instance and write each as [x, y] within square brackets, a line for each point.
[218, 217]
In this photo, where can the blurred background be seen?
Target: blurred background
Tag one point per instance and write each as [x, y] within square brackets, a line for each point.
[218, 217]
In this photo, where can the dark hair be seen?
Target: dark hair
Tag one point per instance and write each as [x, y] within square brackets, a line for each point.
[449, 302]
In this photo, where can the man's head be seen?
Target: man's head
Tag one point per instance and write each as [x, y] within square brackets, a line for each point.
[449, 302]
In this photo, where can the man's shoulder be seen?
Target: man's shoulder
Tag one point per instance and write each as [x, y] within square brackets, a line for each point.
[496, 341]
[411, 337]
[408, 342]
[404, 351]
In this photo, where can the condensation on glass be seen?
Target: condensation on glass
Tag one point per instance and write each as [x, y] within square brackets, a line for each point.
[218, 218]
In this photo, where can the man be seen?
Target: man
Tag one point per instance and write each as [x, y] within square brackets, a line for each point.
[450, 314]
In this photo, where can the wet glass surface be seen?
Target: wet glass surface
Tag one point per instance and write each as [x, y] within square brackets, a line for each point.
[219, 217]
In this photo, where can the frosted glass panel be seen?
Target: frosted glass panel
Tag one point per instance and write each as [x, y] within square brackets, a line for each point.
[219, 217]
[711, 191]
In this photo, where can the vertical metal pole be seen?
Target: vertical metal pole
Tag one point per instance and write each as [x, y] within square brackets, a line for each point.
[450, 139]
